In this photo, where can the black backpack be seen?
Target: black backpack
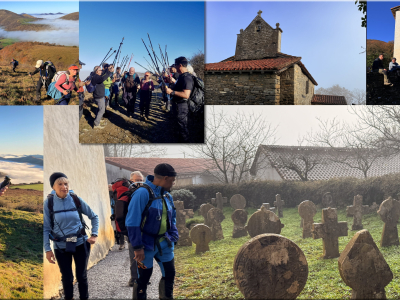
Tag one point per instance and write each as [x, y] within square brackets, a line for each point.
[16, 63]
[196, 99]
[78, 207]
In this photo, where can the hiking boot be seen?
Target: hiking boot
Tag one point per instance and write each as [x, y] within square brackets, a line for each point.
[161, 290]
[131, 282]
[138, 294]
[98, 127]
[121, 247]
[388, 83]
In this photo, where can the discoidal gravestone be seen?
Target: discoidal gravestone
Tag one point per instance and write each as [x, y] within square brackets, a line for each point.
[263, 221]
[201, 236]
[215, 216]
[238, 201]
[239, 218]
[204, 208]
[181, 215]
[389, 211]
[327, 201]
[363, 267]
[270, 266]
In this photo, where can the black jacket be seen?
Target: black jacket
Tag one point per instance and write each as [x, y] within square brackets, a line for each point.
[377, 64]
[98, 80]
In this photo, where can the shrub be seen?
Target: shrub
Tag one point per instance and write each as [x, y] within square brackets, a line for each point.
[184, 195]
[293, 193]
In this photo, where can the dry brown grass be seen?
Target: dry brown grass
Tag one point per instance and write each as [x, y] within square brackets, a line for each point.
[74, 16]
[13, 22]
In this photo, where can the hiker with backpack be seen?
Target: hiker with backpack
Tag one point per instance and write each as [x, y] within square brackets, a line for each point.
[119, 237]
[131, 83]
[81, 92]
[115, 87]
[14, 64]
[151, 226]
[46, 71]
[146, 89]
[180, 94]
[64, 225]
[63, 84]
[97, 81]
[3, 190]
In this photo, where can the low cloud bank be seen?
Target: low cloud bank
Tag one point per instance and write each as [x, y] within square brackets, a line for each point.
[21, 172]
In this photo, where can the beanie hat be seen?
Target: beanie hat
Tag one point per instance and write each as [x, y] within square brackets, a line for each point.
[164, 170]
[55, 176]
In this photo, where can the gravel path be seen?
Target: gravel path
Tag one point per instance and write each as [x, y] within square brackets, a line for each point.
[108, 279]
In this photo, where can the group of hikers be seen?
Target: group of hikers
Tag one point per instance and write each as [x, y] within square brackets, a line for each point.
[177, 84]
[143, 213]
[378, 67]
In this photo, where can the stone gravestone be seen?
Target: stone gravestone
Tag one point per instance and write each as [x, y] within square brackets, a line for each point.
[279, 204]
[363, 268]
[373, 208]
[181, 216]
[329, 230]
[263, 221]
[327, 201]
[239, 218]
[215, 216]
[307, 211]
[270, 266]
[219, 201]
[204, 208]
[267, 206]
[238, 201]
[357, 210]
[389, 211]
[201, 236]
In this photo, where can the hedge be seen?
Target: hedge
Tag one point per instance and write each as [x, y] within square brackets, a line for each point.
[343, 191]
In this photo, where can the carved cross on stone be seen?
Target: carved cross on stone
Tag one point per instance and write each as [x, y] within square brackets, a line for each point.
[357, 210]
[363, 267]
[219, 201]
[329, 230]
[389, 211]
[201, 236]
[259, 13]
[307, 211]
[181, 216]
[279, 203]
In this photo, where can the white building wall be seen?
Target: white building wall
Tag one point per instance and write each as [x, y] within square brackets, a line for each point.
[114, 172]
[266, 171]
[396, 52]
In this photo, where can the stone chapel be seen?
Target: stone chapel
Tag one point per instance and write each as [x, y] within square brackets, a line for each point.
[259, 73]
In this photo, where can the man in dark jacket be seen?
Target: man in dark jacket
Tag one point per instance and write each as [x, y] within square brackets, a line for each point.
[14, 64]
[46, 71]
[180, 94]
[131, 82]
[377, 66]
[99, 93]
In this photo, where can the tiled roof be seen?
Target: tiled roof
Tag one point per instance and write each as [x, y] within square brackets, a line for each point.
[328, 169]
[394, 9]
[328, 99]
[277, 63]
[146, 165]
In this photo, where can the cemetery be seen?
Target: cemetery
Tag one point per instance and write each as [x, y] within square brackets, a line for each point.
[320, 245]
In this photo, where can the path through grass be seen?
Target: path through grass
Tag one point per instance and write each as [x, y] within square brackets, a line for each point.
[210, 275]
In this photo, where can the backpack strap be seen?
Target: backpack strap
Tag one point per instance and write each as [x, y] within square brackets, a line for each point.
[78, 205]
[50, 204]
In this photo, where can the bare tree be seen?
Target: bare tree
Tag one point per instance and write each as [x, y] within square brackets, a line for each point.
[359, 96]
[197, 62]
[336, 90]
[130, 150]
[231, 143]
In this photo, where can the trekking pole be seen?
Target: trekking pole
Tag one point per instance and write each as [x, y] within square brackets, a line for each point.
[144, 67]
[106, 56]
[149, 65]
[120, 44]
[166, 55]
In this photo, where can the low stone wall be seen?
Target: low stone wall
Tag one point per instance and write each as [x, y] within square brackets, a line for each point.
[85, 167]
[242, 88]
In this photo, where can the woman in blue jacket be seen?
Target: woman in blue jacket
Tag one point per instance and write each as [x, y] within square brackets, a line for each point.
[63, 224]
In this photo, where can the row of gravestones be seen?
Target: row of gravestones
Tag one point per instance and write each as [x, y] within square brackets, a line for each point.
[270, 266]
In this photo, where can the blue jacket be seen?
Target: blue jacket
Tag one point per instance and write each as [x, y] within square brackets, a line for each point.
[69, 221]
[138, 202]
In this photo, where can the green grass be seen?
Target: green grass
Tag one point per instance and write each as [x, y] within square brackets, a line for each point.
[36, 187]
[21, 254]
[7, 42]
[210, 275]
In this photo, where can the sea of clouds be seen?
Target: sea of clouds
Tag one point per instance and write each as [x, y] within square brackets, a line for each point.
[66, 32]
[21, 172]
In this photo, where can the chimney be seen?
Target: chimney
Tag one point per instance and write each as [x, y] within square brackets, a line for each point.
[279, 38]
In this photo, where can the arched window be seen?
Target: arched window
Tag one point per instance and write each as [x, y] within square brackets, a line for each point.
[258, 28]
[307, 86]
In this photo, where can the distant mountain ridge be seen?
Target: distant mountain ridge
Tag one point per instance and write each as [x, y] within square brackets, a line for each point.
[14, 22]
[30, 159]
[73, 16]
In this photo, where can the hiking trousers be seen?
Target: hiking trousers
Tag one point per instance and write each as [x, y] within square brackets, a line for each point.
[130, 99]
[39, 87]
[64, 260]
[385, 73]
[167, 266]
[101, 103]
[81, 96]
[144, 105]
[181, 112]
[134, 268]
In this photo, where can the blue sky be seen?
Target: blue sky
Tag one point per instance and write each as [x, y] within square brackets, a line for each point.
[327, 35]
[21, 130]
[33, 7]
[380, 20]
[179, 25]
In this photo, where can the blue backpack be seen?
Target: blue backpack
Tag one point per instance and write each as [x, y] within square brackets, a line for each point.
[52, 91]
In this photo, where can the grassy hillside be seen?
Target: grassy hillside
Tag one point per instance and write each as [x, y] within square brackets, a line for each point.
[210, 274]
[376, 47]
[21, 255]
[23, 199]
[36, 187]
[13, 22]
[28, 16]
[7, 42]
[73, 17]
[18, 88]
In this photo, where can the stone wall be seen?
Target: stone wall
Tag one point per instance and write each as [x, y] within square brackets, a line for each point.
[242, 88]
[301, 97]
[85, 167]
[287, 87]
[258, 40]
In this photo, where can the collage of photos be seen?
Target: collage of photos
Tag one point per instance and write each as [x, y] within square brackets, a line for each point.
[184, 150]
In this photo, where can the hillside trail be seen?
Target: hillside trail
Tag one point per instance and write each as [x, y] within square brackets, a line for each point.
[109, 278]
[119, 128]
[17, 88]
